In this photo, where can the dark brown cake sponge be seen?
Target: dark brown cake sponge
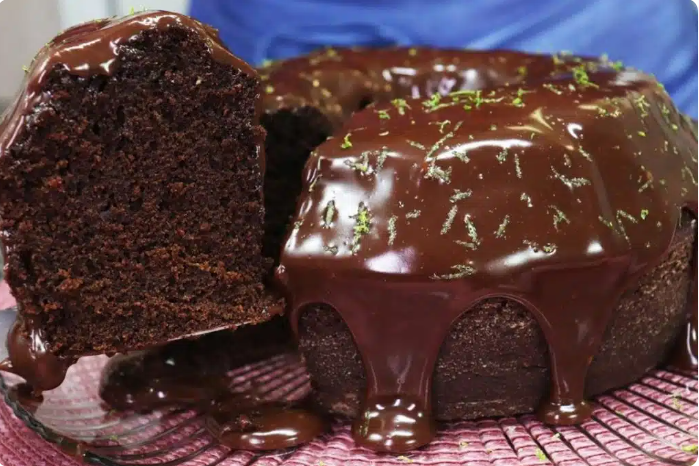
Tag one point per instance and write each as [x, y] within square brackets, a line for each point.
[131, 201]
[494, 362]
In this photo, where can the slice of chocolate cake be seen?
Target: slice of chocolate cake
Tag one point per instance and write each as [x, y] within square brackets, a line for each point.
[130, 189]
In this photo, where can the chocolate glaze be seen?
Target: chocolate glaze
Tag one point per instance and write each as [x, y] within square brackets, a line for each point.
[30, 359]
[252, 424]
[195, 373]
[557, 187]
[84, 50]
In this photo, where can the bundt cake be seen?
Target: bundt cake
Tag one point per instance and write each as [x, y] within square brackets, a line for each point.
[494, 233]
[130, 193]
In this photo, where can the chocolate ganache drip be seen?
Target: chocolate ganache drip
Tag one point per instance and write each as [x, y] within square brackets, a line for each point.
[555, 188]
[85, 50]
[196, 373]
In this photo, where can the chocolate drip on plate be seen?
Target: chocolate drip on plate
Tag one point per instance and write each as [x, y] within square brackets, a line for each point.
[30, 358]
[196, 373]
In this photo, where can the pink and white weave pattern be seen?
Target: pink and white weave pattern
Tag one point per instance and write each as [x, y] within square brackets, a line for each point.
[652, 422]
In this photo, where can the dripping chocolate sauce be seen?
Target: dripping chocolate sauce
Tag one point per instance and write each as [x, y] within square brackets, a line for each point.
[194, 373]
[393, 321]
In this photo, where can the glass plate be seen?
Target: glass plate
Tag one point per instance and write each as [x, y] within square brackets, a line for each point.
[653, 421]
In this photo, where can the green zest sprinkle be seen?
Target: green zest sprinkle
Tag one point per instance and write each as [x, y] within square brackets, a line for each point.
[623, 214]
[269, 89]
[416, 144]
[362, 166]
[570, 182]
[442, 124]
[392, 231]
[617, 65]
[558, 216]
[642, 134]
[433, 101]
[581, 77]
[461, 271]
[433, 171]
[522, 70]
[517, 101]
[362, 226]
[503, 226]
[674, 127]
[552, 88]
[642, 105]
[502, 156]
[585, 154]
[383, 114]
[439, 143]
[473, 98]
[329, 214]
[606, 222]
[549, 248]
[460, 195]
[381, 159]
[566, 160]
[346, 144]
[412, 52]
[646, 185]
[400, 105]
[518, 169]
[541, 455]
[690, 448]
[471, 228]
[450, 220]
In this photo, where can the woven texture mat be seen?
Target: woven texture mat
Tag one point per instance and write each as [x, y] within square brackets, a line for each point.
[652, 422]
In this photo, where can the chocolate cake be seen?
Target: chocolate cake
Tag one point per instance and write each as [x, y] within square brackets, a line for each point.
[130, 193]
[495, 233]
[458, 234]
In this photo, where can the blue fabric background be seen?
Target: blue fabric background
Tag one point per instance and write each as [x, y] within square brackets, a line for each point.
[657, 36]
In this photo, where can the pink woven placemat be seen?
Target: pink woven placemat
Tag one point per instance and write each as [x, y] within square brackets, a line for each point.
[20, 446]
[652, 422]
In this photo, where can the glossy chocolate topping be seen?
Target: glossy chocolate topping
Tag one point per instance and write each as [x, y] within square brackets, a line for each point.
[196, 373]
[30, 359]
[557, 187]
[85, 50]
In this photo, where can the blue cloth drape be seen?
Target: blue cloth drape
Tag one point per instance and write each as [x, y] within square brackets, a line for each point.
[657, 36]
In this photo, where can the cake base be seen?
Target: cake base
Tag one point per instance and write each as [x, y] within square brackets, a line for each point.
[494, 361]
